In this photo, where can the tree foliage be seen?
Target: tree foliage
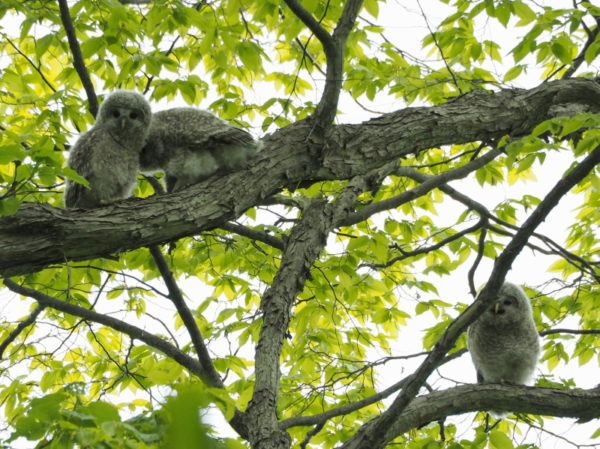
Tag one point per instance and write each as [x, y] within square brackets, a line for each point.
[289, 293]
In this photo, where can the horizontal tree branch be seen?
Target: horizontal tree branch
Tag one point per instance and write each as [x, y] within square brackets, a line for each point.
[39, 235]
[582, 404]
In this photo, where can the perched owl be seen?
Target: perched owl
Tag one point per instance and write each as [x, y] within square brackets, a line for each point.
[503, 341]
[108, 154]
[190, 144]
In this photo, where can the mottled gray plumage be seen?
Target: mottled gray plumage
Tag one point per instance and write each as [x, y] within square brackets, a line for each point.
[503, 341]
[190, 144]
[108, 154]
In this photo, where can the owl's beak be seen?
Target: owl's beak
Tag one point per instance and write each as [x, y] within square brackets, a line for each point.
[122, 122]
[497, 308]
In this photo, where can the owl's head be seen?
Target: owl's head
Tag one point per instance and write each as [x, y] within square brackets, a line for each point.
[126, 114]
[510, 305]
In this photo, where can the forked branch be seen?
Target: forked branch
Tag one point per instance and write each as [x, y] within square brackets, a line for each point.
[375, 434]
[334, 46]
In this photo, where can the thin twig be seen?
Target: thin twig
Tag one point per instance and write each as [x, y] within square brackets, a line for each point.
[133, 332]
[31, 63]
[245, 231]
[21, 327]
[480, 250]
[406, 254]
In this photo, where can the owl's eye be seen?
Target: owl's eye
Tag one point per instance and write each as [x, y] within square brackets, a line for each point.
[507, 302]
[133, 115]
[116, 114]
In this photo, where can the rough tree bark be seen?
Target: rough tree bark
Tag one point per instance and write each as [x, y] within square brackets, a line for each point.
[40, 235]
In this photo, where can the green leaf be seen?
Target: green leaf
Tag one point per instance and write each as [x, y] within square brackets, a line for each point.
[102, 411]
[9, 206]
[499, 440]
[249, 53]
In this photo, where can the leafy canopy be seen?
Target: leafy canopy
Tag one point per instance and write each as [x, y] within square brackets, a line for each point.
[70, 382]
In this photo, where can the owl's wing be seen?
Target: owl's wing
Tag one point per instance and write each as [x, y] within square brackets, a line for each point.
[231, 135]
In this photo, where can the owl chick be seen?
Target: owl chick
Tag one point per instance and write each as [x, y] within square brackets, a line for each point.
[190, 144]
[108, 154]
[503, 341]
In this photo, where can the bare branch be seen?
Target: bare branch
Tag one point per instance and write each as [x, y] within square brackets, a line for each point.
[21, 327]
[78, 61]
[212, 377]
[245, 231]
[431, 183]
[132, 331]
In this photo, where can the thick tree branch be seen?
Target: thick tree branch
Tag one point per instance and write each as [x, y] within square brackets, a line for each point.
[582, 404]
[373, 434]
[39, 235]
[21, 327]
[307, 239]
[212, 377]
[78, 61]
[570, 331]
[327, 107]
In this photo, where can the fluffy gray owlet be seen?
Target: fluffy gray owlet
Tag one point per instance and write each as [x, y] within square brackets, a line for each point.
[108, 154]
[190, 144]
[503, 341]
